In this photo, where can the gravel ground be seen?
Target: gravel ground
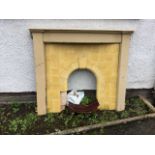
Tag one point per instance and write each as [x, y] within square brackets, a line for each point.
[142, 127]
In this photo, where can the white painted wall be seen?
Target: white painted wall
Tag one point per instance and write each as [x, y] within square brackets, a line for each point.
[16, 52]
[82, 79]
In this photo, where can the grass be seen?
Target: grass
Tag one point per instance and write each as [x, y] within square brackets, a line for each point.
[22, 118]
[87, 100]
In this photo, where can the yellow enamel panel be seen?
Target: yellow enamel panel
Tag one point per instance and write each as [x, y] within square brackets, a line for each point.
[101, 59]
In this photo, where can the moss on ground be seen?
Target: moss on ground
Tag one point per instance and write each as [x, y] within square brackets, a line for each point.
[22, 118]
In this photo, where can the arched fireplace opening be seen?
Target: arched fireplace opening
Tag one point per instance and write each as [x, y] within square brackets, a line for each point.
[83, 81]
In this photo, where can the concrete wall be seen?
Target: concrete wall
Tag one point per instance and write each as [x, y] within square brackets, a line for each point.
[82, 79]
[16, 51]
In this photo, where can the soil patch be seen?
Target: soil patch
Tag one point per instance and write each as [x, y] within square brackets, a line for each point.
[22, 118]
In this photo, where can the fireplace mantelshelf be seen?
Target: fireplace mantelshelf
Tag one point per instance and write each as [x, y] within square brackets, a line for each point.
[60, 52]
